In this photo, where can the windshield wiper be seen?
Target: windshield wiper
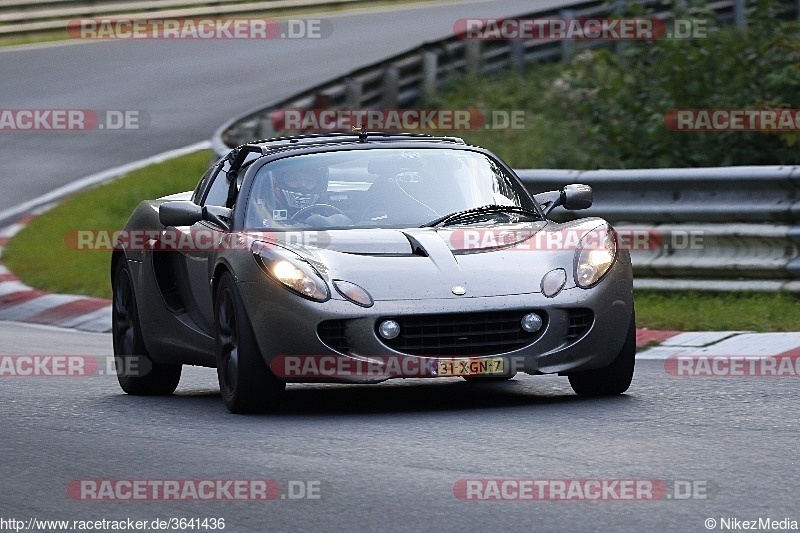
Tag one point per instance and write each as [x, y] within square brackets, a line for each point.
[479, 211]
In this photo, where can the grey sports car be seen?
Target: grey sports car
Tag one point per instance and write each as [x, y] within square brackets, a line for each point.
[362, 257]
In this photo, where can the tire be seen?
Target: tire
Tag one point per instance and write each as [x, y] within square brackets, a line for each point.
[613, 379]
[136, 371]
[245, 382]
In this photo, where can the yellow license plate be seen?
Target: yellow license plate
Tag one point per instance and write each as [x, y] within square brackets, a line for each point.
[471, 367]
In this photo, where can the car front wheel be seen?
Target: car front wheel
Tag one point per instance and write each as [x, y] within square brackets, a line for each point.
[613, 379]
[137, 373]
[245, 382]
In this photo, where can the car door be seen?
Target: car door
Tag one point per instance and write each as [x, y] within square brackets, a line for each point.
[195, 249]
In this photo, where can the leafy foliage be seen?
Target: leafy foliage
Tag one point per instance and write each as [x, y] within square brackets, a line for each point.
[605, 107]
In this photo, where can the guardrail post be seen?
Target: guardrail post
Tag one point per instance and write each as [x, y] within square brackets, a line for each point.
[739, 15]
[391, 88]
[793, 267]
[619, 11]
[516, 58]
[566, 44]
[352, 94]
[265, 128]
[472, 57]
[429, 74]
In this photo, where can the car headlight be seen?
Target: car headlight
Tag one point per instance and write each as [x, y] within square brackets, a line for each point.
[291, 271]
[353, 293]
[594, 257]
[553, 282]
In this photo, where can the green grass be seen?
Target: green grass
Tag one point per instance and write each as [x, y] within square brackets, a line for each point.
[34, 38]
[38, 254]
[691, 311]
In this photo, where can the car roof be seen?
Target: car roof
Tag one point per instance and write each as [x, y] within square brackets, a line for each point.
[322, 140]
[279, 147]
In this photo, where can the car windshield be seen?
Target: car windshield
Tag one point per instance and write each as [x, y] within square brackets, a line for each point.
[392, 188]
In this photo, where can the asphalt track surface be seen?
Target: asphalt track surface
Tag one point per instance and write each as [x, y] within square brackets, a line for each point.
[386, 457]
[188, 88]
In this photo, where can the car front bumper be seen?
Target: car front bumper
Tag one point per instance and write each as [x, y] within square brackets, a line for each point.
[286, 325]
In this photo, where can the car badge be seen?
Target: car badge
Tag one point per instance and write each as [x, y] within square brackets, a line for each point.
[458, 290]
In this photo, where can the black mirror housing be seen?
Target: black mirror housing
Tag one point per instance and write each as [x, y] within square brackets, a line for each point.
[179, 213]
[573, 197]
[576, 197]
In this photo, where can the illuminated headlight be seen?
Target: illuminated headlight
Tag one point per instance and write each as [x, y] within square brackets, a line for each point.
[594, 257]
[291, 271]
[553, 282]
[389, 329]
[353, 292]
[531, 322]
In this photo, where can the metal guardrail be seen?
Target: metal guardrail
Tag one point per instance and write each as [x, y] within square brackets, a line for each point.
[722, 194]
[760, 257]
[17, 18]
[404, 79]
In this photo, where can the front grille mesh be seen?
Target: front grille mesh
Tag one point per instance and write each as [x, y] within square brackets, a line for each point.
[332, 333]
[463, 334]
[580, 320]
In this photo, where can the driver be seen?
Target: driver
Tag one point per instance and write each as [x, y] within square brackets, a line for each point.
[299, 186]
[292, 187]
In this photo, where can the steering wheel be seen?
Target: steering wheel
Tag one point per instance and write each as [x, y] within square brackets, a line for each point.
[325, 210]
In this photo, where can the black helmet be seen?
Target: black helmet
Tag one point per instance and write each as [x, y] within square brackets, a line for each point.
[299, 184]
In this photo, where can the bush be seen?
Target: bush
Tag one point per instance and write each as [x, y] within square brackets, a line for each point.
[603, 108]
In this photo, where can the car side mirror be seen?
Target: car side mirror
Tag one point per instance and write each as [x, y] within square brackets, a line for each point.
[185, 213]
[573, 197]
[179, 213]
[576, 196]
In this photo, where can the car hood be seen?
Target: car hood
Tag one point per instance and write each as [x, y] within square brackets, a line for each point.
[421, 263]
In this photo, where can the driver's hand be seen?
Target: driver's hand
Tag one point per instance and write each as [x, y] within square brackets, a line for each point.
[259, 216]
[319, 221]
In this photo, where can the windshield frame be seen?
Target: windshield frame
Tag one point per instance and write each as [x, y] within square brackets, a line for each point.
[249, 181]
